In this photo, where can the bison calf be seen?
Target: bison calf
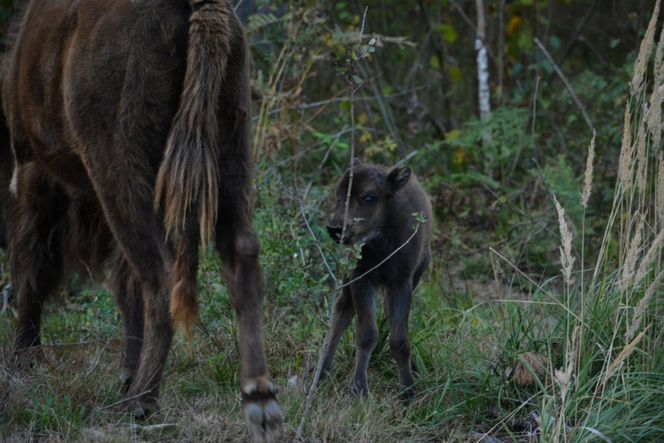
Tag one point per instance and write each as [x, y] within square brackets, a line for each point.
[380, 217]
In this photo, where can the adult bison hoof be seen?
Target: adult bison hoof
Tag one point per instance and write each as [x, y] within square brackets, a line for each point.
[261, 411]
[264, 420]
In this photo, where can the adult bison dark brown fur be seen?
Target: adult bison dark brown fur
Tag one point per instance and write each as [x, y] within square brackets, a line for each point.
[126, 128]
[380, 216]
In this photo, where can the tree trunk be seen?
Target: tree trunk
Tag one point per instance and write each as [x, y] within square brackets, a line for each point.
[482, 69]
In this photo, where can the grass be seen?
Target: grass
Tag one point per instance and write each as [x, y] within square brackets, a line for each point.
[70, 394]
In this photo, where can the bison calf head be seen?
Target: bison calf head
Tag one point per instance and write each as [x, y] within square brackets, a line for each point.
[372, 190]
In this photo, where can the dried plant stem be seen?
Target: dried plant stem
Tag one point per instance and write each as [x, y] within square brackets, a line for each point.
[556, 68]
[566, 257]
[337, 287]
[403, 245]
[553, 297]
[624, 355]
[585, 197]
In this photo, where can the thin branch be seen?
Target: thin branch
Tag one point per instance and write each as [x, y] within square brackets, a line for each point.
[465, 18]
[318, 245]
[540, 287]
[533, 120]
[6, 291]
[567, 84]
[417, 228]
[237, 6]
[500, 61]
[406, 159]
[333, 301]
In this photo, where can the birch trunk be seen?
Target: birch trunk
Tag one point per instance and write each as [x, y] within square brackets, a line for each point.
[482, 69]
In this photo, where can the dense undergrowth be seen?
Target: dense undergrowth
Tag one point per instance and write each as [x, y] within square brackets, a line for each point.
[541, 316]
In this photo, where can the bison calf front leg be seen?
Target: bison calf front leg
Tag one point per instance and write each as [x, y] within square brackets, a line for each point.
[245, 281]
[364, 301]
[397, 304]
[342, 317]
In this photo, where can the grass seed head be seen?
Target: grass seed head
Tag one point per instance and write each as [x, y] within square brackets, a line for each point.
[566, 257]
[588, 176]
[641, 64]
[625, 162]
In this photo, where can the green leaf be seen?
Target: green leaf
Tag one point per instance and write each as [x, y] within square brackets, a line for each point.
[434, 62]
[475, 178]
[448, 33]
[554, 42]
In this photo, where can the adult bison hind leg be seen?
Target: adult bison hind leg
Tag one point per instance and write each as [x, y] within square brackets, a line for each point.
[238, 247]
[127, 201]
[127, 290]
[35, 255]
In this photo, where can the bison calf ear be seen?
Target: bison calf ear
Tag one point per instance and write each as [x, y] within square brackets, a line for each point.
[397, 178]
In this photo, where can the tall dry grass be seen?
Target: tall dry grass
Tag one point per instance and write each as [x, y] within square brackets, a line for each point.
[613, 366]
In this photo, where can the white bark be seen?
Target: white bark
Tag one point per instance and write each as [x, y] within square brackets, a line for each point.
[482, 68]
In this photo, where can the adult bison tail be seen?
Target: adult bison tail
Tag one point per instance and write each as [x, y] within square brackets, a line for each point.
[188, 180]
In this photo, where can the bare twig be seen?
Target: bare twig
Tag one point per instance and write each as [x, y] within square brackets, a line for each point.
[333, 100]
[333, 301]
[464, 16]
[517, 155]
[567, 84]
[76, 343]
[318, 246]
[500, 61]
[361, 276]
[6, 291]
[384, 108]
[406, 159]
[237, 6]
[540, 287]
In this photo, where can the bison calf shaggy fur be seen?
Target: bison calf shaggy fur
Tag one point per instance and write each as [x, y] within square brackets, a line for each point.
[380, 217]
[125, 144]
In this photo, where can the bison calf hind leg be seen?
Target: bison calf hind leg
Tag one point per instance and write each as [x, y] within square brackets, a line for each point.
[397, 304]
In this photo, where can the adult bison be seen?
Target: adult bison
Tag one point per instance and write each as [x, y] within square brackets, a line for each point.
[126, 146]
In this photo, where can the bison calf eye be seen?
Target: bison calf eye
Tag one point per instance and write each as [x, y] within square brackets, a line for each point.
[368, 200]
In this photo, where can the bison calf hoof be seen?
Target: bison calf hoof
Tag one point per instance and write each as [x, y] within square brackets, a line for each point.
[25, 359]
[407, 394]
[360, 388]
[141, 409]
[263, 419]
[126, 377]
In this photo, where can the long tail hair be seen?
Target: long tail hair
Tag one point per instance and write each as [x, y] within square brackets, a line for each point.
[187, 184]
